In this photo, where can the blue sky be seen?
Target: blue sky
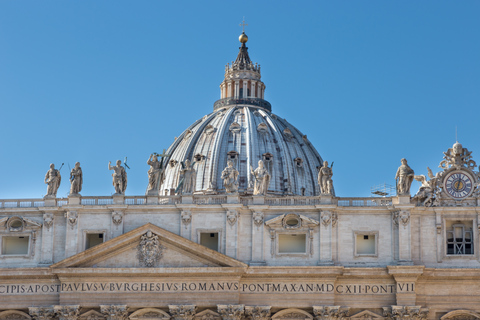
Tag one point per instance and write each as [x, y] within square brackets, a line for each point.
[369, 82]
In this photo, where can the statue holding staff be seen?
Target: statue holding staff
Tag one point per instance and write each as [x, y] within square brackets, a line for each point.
[119, 177]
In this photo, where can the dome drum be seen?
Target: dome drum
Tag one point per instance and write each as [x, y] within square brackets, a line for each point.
[257, 102]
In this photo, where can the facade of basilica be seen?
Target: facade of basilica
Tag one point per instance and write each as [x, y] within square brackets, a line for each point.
[240, 221]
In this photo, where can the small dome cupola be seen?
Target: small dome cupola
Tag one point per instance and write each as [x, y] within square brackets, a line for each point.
[242, 84]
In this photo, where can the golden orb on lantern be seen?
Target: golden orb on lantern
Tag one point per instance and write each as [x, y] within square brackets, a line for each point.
[243, 38]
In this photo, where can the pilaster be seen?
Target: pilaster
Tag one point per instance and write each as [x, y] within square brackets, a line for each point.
[47, 238]
[231, 233]
[71, 237]
[328, 222]
[401, 218]
[258, 234]
[406, 278]
[116, 227]
[186, 224]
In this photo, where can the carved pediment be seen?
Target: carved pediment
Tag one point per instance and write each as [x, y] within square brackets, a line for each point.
[207, 315]
[148, 246]
[461, 315]
[149, 314]
[292, 221]
[294, 314]
[18, 224]
[91, 315]
[365, 314]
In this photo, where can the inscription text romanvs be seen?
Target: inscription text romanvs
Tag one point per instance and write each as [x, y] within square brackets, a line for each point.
[205, 286]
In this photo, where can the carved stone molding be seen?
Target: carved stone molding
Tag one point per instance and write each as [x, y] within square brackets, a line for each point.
[258, 218]
[207, 315]
[67, 312]
[231, 311]
[149, 314]
[258, 312]
[114, 312]
[186, 217]
[404, 313]
[292, 313]
[330, 312]
[401, 216]
[117, 217]
[91, 315]
[41, 313]
[72, 218]
[461, 315]
[232, 216]
[48, 220]
[149, 250]
[182, 312]
[328, 217]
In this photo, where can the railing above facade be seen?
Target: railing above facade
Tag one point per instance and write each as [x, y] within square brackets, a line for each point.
[222, 103]
[246, 200]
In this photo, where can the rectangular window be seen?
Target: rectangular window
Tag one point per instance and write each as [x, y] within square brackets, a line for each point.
[17, 245]
[292, 243]
[366, 243]
[93, 239]
[209, 240]
[459, 237]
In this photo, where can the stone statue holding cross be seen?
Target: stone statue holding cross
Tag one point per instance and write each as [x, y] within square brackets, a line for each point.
[155, 173]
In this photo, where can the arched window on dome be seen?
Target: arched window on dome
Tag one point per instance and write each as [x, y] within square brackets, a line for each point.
[233, 156]
[198, 157]
[268, 161]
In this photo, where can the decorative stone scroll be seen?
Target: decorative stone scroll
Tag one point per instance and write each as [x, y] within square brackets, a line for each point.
[330, 312]
[114, 312]
[182, 312]
[401, 216]
[41, 313]
[231, 311]
[257, 218]
[14, 315]
[186, 217]
[69, 312]
[328, 217]
[72, 218]
[48, 220]
[117, 217]
[149, 250]
[258, 312]
[232, 216]
[404, 313]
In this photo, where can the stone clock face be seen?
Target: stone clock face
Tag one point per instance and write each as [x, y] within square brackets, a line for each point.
[458, 185]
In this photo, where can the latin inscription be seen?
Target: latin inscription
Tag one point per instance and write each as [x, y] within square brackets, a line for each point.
[166, 287]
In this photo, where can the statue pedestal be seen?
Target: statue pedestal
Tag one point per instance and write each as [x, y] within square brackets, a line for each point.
[326, 199]
[258, 200]
[152, 199]
[401, 199]
[187, 199]
[74, 199]
[118, 199]
[233, 198]
[50, 202]
[152, 192]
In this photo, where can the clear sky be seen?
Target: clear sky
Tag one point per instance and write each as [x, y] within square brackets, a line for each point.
[369, 82]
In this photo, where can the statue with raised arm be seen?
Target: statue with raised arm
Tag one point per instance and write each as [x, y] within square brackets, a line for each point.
[76, 179]
[119, 176]
[262, 179]
[188, 178]
[154, 174]
[325, 178]
[52, 179]
[404, 178]
[229, 176]
[428, 189]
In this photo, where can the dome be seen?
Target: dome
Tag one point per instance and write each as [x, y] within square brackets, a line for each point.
[242, 129]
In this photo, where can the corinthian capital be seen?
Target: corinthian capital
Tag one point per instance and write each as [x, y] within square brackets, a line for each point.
[67, 312]
[114, 312]
[41, 313]
[231, 311]
[258, 312]
[330, 312]
[182, 312]
[404, 313]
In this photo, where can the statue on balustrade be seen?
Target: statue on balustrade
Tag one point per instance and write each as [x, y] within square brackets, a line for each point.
[119, 177]
[262, 179]
[325, 179]
[188, 178]
[404, 178]
[52, 179]
[76, 179]
[154, 174]
[229, 176]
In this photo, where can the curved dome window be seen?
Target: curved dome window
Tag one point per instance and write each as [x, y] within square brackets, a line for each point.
[173, 163]
[209, 129]
[198, 157]
[287, 133]
[235, 127]
[298, 162]
[267, 157]
[188, 133]
[262, 128]
[232, 155]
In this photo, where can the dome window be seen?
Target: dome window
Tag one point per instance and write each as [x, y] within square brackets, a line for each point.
[287, 133]
[198, 157]
[262, 128]
[232, 155]
[298, 162]
[235, 127]
[173, 163]
[267, 157]
[209, 129]
[188, 133]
